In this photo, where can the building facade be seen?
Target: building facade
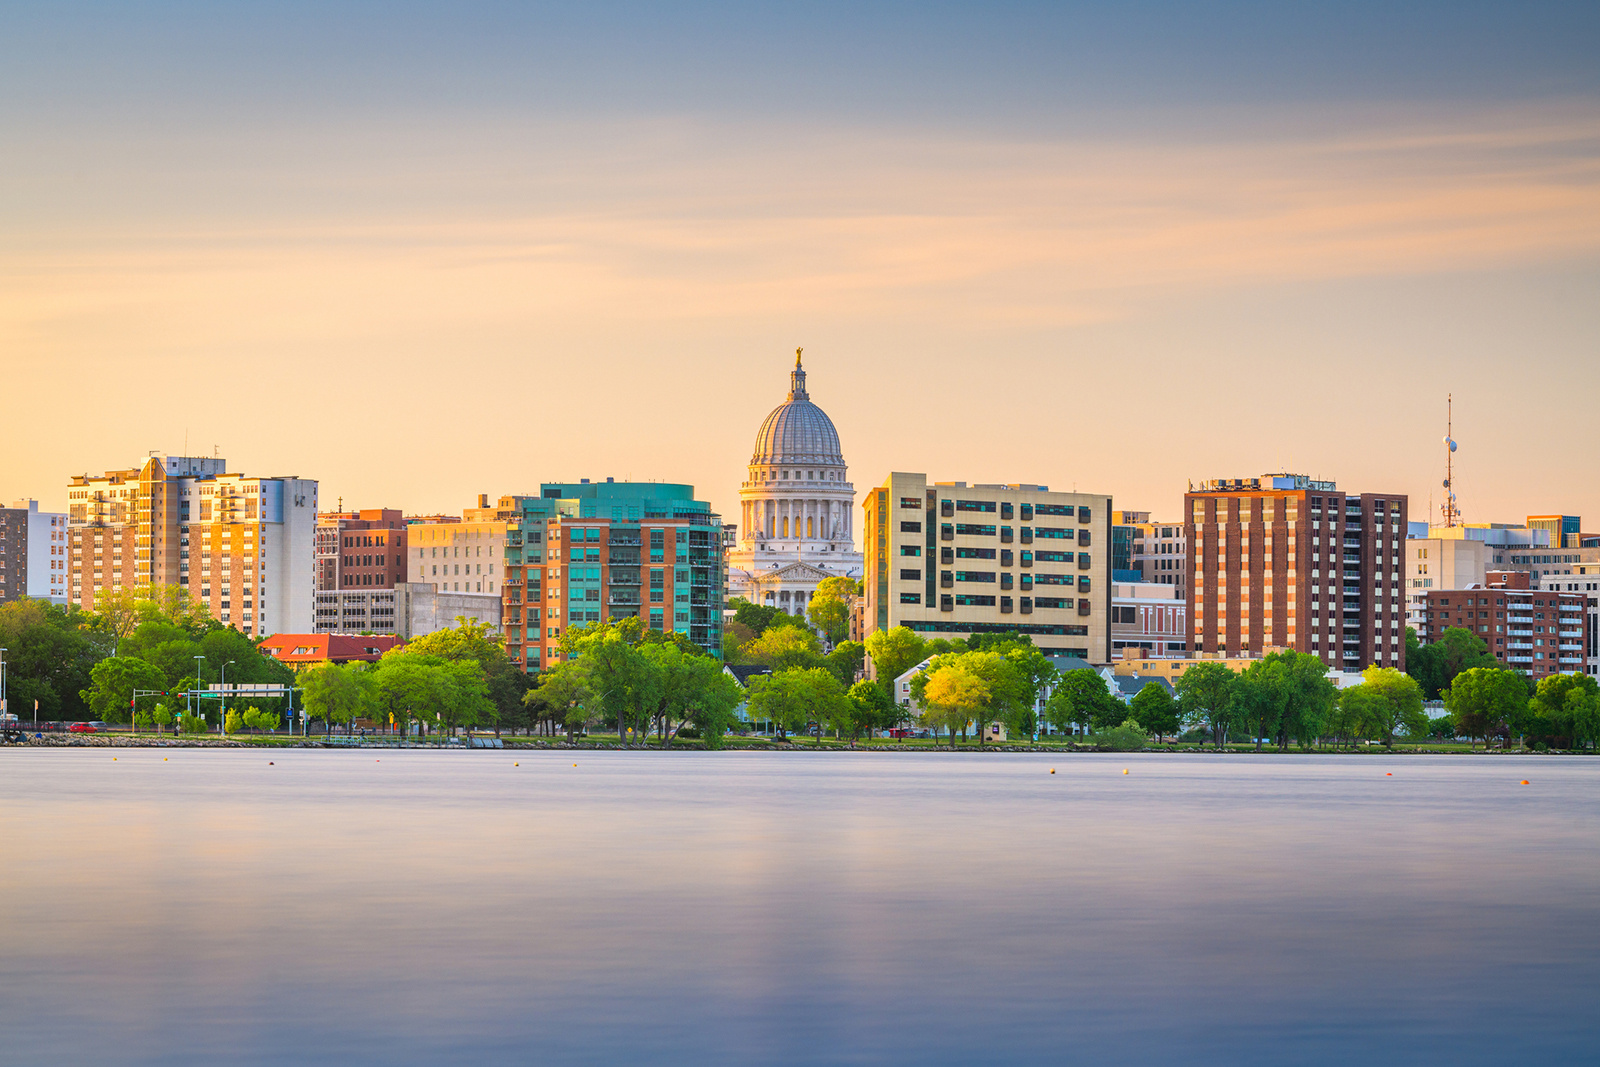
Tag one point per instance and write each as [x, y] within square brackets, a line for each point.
[33, 553]
[946, 559]
[1147, 620]
[1537, 631]
[611, 550]
[242, 546]
[797, 507]
[1586, 583]
[1284, 561]
[1157, 552]
[363, 549]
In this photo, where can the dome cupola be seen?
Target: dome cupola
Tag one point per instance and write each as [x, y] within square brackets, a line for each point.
[797, 431]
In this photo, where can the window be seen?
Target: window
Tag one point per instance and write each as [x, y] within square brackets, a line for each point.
[1027, 514]
[975, 553]
[910, 503]
[1052, 579]
[910, 574]
[974, 576]
[1052, 557]
[910, 598]
[1006, 510]
[968, 600]
[1052, 532]
[972, 529]
[1052, 602]
[911, 527]
[1052, 509]
[975, 505]
[910, 550]
[1125, 615]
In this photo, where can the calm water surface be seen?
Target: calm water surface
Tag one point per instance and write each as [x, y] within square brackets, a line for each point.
[416, 907]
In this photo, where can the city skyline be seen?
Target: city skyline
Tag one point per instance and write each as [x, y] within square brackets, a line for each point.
[555, 236]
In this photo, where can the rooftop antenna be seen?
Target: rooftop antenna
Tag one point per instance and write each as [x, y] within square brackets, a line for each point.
[1452, 514]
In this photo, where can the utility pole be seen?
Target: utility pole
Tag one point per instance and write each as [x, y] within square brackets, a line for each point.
[1451, 512]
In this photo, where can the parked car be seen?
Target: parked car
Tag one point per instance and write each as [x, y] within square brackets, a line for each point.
[82, 728]
[99, 727]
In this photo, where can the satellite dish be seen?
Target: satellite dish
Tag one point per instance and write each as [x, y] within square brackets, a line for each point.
[1447, 483]
[1452, 444]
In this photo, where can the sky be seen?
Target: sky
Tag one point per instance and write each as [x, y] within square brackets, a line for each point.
[425, 251]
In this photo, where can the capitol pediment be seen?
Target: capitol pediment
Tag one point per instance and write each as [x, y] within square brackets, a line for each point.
[793, 572]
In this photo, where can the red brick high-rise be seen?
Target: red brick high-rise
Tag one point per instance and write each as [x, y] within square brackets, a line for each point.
[1284, 561]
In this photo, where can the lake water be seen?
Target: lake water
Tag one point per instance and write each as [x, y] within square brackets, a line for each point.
[421, 907]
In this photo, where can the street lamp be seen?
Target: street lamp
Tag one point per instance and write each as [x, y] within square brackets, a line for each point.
[223, 715]
[199, 708]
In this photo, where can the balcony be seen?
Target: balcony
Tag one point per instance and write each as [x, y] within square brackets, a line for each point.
[1572, 648]
[1574, 660]
[1519, 659]
[630, 600]
[1519, 644]
[624, 579]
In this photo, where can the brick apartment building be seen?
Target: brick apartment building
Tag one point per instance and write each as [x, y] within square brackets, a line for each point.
[1285, 561]
[363, 549]
[243, 546]
[588, 552]
[1539, 632]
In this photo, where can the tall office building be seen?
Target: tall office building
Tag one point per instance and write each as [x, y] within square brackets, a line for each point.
[946, 559]
[243, 546]
[589, 552]
[1284, 561]
[33, 553]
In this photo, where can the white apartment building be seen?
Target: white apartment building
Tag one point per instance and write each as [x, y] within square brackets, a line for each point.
[47, 556]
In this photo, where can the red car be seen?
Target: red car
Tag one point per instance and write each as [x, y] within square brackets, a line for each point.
[82, 728]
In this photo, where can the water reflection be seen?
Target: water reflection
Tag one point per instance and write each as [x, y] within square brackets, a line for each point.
[416, 907]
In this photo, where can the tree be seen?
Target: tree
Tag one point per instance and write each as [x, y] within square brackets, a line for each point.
[1205, 696]
[50, 651]
[1155, 709]
[830, 607]
[845, 661]
[954, 696]
[795, 698]
[1034, 674]
[1308, 696]
[785, 648]
[1482, 699]
[1128, 737]
[871, 709]
[339, 693]
[1394, 702]
[1353, 715]
[1258, 700]
[477, 642]
[161, 716]
[1436, 665]
[112, 685]
[894, 651]
[1080, 698]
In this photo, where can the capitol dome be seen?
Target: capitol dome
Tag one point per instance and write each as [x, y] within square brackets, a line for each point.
[797, 431]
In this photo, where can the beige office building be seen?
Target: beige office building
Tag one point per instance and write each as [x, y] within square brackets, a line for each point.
[457, 557]
[948, 559]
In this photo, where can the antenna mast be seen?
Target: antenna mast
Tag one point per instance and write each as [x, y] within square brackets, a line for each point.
[1452, 514]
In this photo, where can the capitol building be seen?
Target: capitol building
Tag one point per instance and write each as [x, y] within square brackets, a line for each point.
[797, 508]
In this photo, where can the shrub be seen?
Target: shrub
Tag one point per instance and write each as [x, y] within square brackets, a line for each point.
[191, 724]
[233, 722]
[689, 733]
[1129, 737]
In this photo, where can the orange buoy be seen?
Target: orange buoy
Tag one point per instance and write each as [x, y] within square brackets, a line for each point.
[1388, 774]
[269, 763]
[1124, 770]
[1524, 781]
[1052, 770]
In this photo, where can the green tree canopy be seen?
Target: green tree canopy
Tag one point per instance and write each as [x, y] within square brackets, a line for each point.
[893, 652]
[50, 652]
[830, 607]
[785, 648]
[1205, 697]
[1482, 700]
[1436, 665]
[1082, 698]
[1155, 709]
[112, 685]
[1393, 702]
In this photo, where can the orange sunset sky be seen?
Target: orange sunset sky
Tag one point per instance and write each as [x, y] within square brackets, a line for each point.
[422, 253]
